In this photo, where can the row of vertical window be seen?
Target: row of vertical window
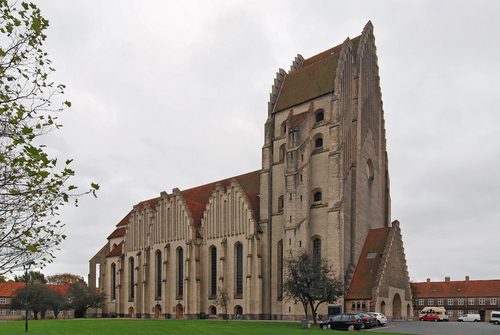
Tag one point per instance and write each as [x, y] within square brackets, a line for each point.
[180, 273]
[460, 301]
[317, 198]
[319, 117]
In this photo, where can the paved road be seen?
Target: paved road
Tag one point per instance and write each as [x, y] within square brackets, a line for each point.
[438, 328]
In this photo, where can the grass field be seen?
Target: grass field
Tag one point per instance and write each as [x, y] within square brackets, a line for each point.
[134, 327]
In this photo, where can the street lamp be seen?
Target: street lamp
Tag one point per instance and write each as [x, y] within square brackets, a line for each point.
[26, 267]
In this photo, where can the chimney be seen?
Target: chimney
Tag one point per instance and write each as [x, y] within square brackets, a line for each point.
[466, 279]
[447, 280]
[428, 280]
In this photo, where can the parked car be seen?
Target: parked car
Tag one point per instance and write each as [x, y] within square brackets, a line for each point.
[470, 317]
[495, 317]
[429, 317]
[440, 311]
[342, 321]
[381, 318]
[368, 320]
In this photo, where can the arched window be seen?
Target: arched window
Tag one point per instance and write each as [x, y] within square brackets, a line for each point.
[281, 204]
[113, 281]
[317, 249]
[131, 277]
[180, 272]
[282, 153]
[318, 196]
[213, 310]
[238, 310]
[320, 115]
[213, 274]
[318, 143]
[283, 128]
[239, 269]
[158, 273]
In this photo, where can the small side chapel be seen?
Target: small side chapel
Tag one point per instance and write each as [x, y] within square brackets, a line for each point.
[323, 187]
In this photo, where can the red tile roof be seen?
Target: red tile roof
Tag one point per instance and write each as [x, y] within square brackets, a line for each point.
[152, 203]
[9, 289]
[117, 251]
[366, 271]
[315, 78]
[117, 233]
[465, 288]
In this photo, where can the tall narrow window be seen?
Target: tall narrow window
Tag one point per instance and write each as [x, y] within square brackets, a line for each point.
[281, 203]
[213, 288]
[180, 273]
[320, 116]
[280, 269]
[318, 196]
[317, 249]
[158, 273]
[132, 277]
[113, 281]
[239, 269]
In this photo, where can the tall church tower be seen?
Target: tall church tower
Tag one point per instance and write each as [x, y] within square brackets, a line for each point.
[324, 179]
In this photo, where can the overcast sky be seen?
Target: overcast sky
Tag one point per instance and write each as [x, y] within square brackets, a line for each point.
[174, 95]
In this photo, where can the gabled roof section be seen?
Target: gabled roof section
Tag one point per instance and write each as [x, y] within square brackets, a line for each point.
[315, 78]
[197, 197]
[298, 119]
[152, 203]
[117, 233]
[368, 265]
[117, 251]
[467, 288]
[250, 182]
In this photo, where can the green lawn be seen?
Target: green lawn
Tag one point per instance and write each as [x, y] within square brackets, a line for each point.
[134, 326]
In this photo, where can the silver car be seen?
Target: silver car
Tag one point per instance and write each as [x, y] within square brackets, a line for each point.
[381, 318]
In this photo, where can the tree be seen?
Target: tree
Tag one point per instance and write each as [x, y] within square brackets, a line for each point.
[222, 300]
[81, 297]
[60, 278]
[311, 281]
[55, 301]
[32, 186]
[37, 295]
[34, 277]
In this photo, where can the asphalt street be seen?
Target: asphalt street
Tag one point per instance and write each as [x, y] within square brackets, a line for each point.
[438, 328]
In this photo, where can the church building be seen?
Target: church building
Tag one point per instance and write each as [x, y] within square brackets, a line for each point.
[323, 187]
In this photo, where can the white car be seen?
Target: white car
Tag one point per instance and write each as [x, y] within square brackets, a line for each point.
[470, 317]
[381, 318]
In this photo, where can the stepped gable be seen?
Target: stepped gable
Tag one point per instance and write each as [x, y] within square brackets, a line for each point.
[315, 78]
[197, 197]
[117, 251]
[457, 288]
[368, 265]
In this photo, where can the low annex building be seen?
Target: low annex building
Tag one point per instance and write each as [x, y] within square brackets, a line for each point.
[323, 187]
[8, 291]
[458, 297]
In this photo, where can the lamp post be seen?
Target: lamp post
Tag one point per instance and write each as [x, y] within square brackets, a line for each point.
[26, 267]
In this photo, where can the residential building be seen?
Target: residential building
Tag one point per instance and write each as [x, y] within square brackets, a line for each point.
[458, 297]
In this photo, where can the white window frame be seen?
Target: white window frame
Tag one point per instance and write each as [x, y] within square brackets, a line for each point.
[3, 301]
[450, 302]
[69, 312]
[493, 301]
[13, 312]
[482, 301]
[430, 302]
[460, 313]
[471, 302]
[60, 313]
[470, 312]
[421, 302]
[450, 312]
[3, 311]
[440, 302]
[460, 301]
[23, 312]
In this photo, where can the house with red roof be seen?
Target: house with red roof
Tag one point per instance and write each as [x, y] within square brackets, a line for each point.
[458, 297]
[323, 187]
[8, 291]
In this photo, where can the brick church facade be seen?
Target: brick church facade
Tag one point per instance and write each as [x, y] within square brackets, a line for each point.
[323, 187]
